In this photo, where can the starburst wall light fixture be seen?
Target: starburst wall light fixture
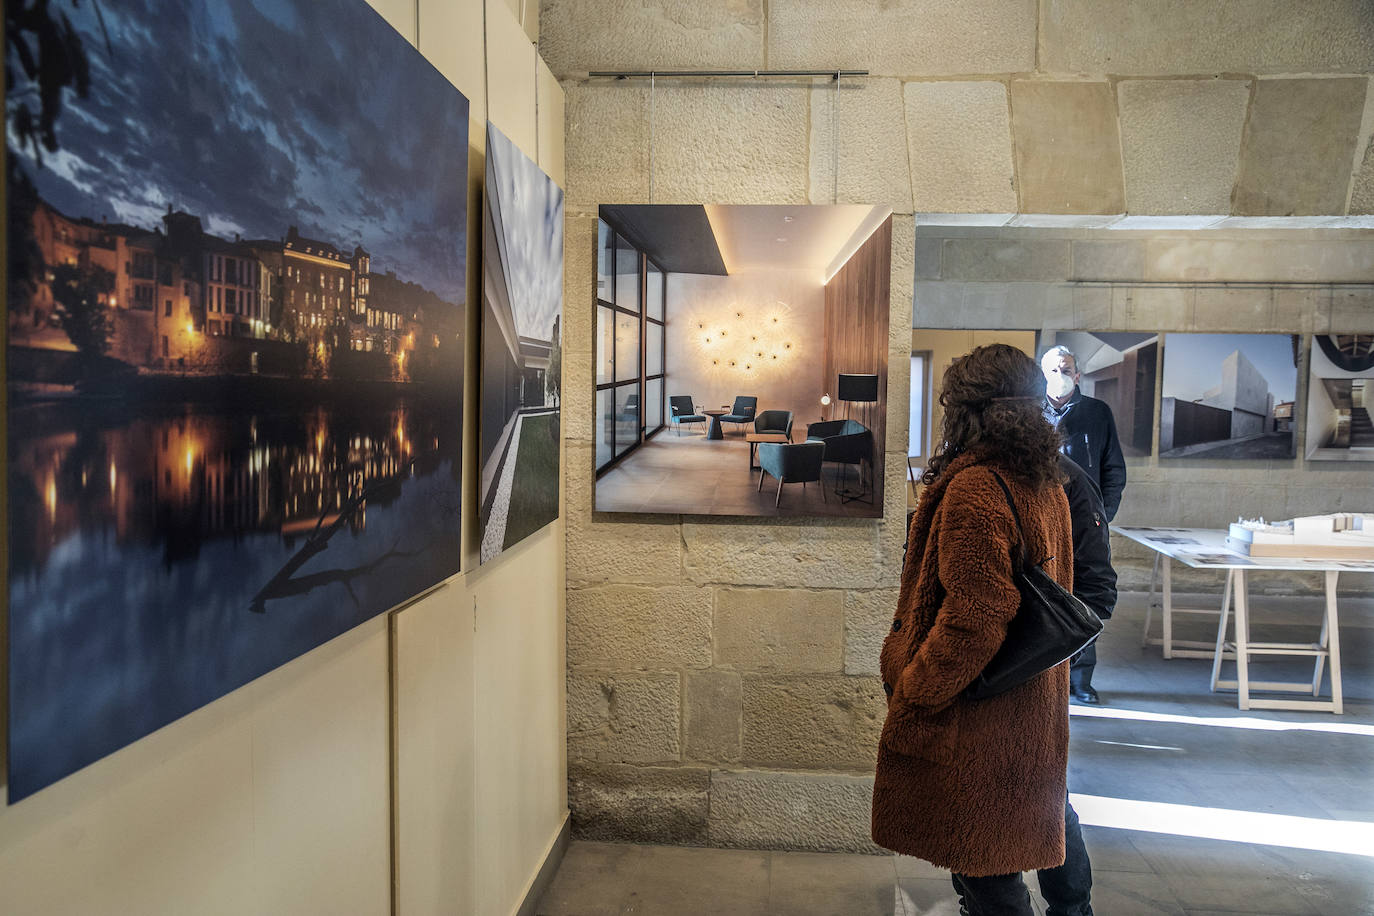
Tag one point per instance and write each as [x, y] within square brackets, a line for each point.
[745, 340]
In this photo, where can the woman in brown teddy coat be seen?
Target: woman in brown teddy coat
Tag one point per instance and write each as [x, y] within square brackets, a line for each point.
[979, 786]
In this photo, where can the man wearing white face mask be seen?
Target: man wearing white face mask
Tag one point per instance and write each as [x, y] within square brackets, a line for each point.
[1090, 440]
[1086, 425]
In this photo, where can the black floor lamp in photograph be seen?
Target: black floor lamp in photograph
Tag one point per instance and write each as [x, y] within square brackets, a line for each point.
[850, 441]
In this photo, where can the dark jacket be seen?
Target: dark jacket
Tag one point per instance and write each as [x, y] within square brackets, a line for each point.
[1090, 439]
[976, 786]
[1094, 579]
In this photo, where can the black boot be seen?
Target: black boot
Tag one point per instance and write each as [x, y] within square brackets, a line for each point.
[1081, 687]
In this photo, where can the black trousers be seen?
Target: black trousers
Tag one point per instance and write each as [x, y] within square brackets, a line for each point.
[1082, 665]
[1066, 888]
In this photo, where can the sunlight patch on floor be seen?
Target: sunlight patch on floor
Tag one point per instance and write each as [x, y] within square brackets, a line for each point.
[1323, 834]
[1248, 722]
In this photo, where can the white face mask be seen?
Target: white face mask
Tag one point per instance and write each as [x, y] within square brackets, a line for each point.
[1058, 385]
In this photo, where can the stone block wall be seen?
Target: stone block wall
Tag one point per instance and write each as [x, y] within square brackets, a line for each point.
[722, 687]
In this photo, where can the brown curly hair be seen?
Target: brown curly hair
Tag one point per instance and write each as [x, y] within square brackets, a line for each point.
[993, 399]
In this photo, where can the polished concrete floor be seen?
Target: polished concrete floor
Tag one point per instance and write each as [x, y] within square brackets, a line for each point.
[690, 474]
[1190, 806]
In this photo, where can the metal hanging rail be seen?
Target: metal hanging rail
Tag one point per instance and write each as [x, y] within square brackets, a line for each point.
[730, 74]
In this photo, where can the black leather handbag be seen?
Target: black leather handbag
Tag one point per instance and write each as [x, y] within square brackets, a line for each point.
[1050, 625]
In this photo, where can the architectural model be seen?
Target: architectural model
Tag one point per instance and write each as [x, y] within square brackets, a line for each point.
[1343, 535]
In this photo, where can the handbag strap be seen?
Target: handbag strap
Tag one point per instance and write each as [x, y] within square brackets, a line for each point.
[1014, 514]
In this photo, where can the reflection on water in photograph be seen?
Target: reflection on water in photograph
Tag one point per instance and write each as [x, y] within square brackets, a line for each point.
[163, 556]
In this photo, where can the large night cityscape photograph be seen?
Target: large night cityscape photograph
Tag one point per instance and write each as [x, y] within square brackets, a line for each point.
[236, 293]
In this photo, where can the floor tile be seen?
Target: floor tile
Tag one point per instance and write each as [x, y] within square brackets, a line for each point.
[1110, 849]
[928, 897]
[817, 884]
[594, 879]
[1132, 894]
[912, 867]
[690, 881]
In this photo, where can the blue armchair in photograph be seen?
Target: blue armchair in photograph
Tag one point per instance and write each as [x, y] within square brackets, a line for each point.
[791, 463]
[846, 441]
[774, 421]
[683, 411]
[743, 411]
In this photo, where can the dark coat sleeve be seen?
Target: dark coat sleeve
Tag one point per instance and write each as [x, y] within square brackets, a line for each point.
[1113, 465]
[1094, 579]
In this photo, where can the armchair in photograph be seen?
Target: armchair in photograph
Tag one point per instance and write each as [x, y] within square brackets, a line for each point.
[774, 421]
[743, 411]
[683, 411]
[846, 442]
[791, 463]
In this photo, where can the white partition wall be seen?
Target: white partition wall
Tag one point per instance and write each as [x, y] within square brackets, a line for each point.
[415, 764]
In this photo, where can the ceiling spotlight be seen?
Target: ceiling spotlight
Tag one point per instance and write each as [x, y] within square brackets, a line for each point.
[787, 346]
[722, 333]
[739, 314]
[747, 366]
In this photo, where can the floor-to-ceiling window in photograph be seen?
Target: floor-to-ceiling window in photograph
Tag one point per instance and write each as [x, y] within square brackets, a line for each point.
[631, 292]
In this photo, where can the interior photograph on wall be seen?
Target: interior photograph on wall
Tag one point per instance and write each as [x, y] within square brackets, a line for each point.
[1119, 368]
[741, 359]
[522, 351]
[1340, 398]
[236, 291]
[1228, 396]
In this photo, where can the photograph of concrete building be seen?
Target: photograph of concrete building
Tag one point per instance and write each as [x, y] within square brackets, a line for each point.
[1118, 368]
[522, 354]
[1340, 398]
[234, 361]
[741, 357]
[1228, 396]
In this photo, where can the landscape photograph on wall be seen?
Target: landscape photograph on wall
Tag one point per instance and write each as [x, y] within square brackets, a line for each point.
[235, 300]
[1340, 398]
[522, 350]
[1228, 396]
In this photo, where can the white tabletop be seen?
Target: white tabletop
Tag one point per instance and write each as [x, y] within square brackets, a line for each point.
[1205, 548]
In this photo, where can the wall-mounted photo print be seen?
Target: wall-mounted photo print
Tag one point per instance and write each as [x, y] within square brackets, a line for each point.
[1118, 368]
[741, 359]
[236, 289]
[1228, 396]
[522, 350]
[1340, 398]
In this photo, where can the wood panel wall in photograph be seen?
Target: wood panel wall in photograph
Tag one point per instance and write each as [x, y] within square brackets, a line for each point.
[857, 303]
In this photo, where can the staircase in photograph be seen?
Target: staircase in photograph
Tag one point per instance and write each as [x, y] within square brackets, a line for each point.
[1361, 428]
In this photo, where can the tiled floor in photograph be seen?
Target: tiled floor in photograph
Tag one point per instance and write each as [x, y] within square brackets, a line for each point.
[690, 474]
[1162, 739]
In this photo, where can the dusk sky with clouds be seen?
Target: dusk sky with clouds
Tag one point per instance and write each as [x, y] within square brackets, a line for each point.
[532, 211]
[256, 115]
